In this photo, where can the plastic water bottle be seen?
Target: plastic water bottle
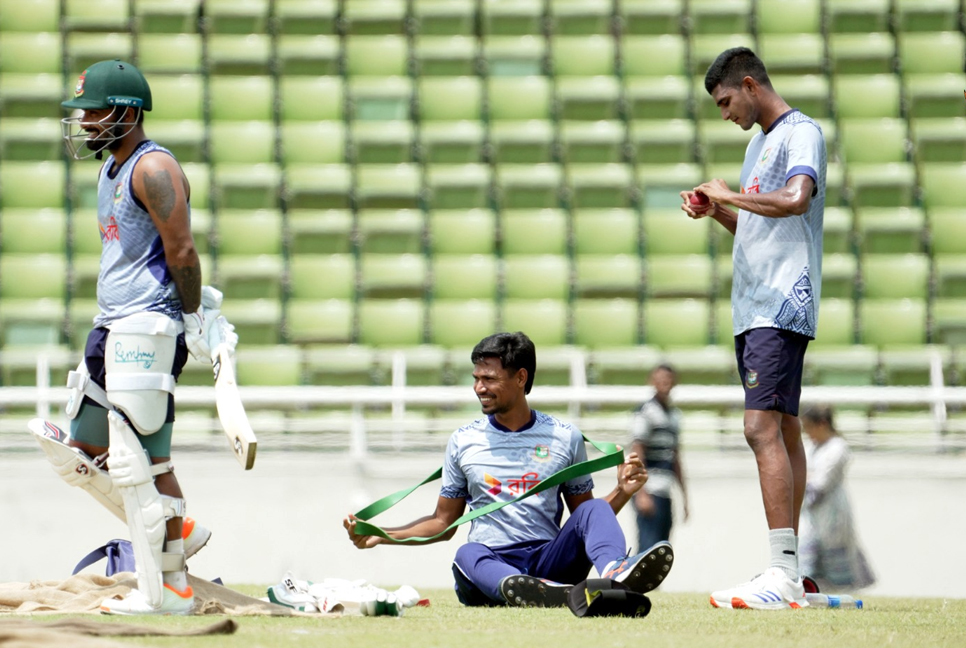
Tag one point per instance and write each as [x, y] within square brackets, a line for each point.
[840, 601]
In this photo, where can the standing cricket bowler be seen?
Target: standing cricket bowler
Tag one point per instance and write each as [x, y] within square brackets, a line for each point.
[774, 298]
[149, 296]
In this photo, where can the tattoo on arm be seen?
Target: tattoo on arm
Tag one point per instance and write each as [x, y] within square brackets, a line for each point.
[159, 188]
[188, 281]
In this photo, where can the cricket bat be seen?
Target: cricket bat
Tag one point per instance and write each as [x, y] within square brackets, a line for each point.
[231, 412]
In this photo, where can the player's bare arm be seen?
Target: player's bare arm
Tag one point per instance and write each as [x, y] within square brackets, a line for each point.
[161, 186]
[791, 200]
[643, 501]
[448, 510]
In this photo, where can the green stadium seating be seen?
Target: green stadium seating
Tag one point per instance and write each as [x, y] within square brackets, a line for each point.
[602, 323]
[444, 17]
[588, 98]
[606, 231]
[891, 230]
[881, 185]
[459, 142]
[582, 17]
[665, 97]
[608, 275]
[852, 365]
[83, 49]
[788, 17]
[723, 276]
[304, 54]
[837, 230]
[393, 275]
[457, 231]
[894, 276]
[514, 56]
[251, 276]
[703, 365]
[382, 142]
[838, 275]
[237, 16]
[723, 329]
[397, 231]
[33, 276]
[511, 17]
[169, 54]
[947, 231]
[874, 140]
[102, 16]
[536, 276]
[247, 186]
[623, 365]
[34, 231]
[911, 365]
[241, 98]
[721, 141]
[539, 231]
[892, 321]
[670, 231]
[391, 322]
[184, 138]
[809, 93]
[932, 52]
[583, 55]
[677, 322]
[465, 276]
[950, 276]
[339, 271]
[202, 230]
[543, 320]
[939, 139]
[720, 16]
[867, 53]
[199, 181]
[949, 321]
[376, 56]
[926, 15]
[311, 98]
[318, 186]
[393, 186]
[351, 364]
[310, 321]
[458, 186]
[595, 186]
[321, 142]
[661, 184]
[664, 141]
[239, 54]
[300, 17]
[29, 16]
[374, 16]
[249, 232]
[380, 98]
[792, 54]
[450, 98]
[652, 16]
[531, 186]
[461, 323]
[167, 16]
[521, 142]
[654, 56]
[943, 184]
[927, 95]
[851, 92]
[857, 15]
[32, 184]
[30, 139]
[836, 323]
[597, 142]
[519, 98]
[319, 232]
[672, 275]
[279, 365]
[705, 47]
[425, 363]
[31, 322]
[32, 95]
[450, 56]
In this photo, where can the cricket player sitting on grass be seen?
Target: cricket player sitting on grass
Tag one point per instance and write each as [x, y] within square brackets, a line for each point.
[152, 312]
[519, 554]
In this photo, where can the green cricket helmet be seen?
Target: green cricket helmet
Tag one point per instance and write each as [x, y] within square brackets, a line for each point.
[106, 84]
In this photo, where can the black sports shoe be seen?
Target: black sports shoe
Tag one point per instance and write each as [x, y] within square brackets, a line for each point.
[527, 591]
[645, 571]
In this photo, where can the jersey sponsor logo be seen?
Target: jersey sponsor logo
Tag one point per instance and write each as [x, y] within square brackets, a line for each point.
[496, 486]
[110, 233]
[523, 483]
[764, 156]
[751, 379]
[79, 88]
[541, 453]
[754, 187]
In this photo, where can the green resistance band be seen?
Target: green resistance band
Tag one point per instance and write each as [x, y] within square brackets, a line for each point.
[613, 456]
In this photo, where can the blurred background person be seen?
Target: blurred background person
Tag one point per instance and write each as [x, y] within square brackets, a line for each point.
[656, 437]
[830, 551]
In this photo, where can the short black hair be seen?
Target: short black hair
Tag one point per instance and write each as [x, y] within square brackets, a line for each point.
[515, 351]
[820, 414]
[732, 66]
[666, 367]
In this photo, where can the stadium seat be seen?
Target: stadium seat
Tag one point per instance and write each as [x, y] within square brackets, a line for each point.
[793, 54]
[664, 141]
[511, 17]
[374, 17]
[425, 364]
[465, 276]
[852, 365]
[450, 56]
[450, 98]
[249, 232]
[851, 92]
[32, 95]
[394, 186]
[514, 56]
[931, 52]
[321, 186]
[31, 322]
[583, 56]
[882, 185]
[459, 142]
[32, 184]
[391, 322]
[321, 142]
[519, 98]
[911, 365]
[167, 16]
[724, 334]
[606, 231]
[393, 275]
[897, 230]
[385, 98]
[319, 232]
[30, 139]
[237, 16]
[202, 230]
[241, 98]
[670, 231]
[169, 54]
[458, 186]
[588, 98]
[338, 269]
[351, 364]
[602, 323]
[652, 16]
[873, 140]
[581, 17]
[34, 231]
[788, 17]
[247, 186]
[529, 187]
[239, 54]
[654, 56]
[309, 321]
[29, 16]
[720, 16]
[665, 97]
[939, 139]
[835, 184]
[926, 15]
[927, 95]
[949, 321]
[251, 276]
[33, 276]
[461, 323]
[596, 142]
[837, 230]
[305, 54]
[311, 98]
[595, 186]
[894, 276]
[379, 56]
[623, 365]
[459, 231]
[810, 94]
[184, 138]
[103, 16]
[444, 17]
[836, 323]
[177, 97]
[46, 49]
[398, 231]
[279, 366]
[839, 275]
[608, 275]
[677, 322]
[521, 142]
[703, 365]
[543, 320]
[723, 276]
[674, 275]
[83, 49]
[199, 179]
[892, 321]
[382, 142]
[866, 53]
[300, 17]
[950, 276]
[537, 231]
[947, 231]
[721, 142]
[857, 15]
[943, 184]
[536, 276]
[661, 184]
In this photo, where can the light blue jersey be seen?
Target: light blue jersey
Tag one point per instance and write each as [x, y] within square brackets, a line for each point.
[778, 261]
[485, 463]
[134, 275]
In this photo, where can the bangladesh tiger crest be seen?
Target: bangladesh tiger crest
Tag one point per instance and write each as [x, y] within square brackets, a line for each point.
[751, 379]
[541, 453]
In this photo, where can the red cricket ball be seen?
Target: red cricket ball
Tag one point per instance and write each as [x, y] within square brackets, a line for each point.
[698, 199]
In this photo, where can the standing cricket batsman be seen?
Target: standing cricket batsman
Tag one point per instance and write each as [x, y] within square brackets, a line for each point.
[777, 225]
[149, 295]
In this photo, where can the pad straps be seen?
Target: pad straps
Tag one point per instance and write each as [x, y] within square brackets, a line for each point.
[613, 456]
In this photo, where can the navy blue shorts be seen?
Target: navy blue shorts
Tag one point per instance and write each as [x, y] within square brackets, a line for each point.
[770, 365]
[94, 359]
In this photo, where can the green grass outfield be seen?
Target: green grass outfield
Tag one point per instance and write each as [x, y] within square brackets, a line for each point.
[680, 620]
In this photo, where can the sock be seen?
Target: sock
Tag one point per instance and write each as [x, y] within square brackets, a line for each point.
[176, 579]
[784, 551]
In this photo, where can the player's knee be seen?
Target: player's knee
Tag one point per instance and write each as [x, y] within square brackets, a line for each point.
[761, 431]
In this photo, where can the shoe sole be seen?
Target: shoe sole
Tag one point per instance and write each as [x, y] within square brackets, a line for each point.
[651, 570]
[527, 591]
[720, 604]
[741, 604]
[197, 546]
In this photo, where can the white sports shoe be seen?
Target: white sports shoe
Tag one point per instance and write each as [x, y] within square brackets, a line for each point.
[771, 590]
[194, 535]
[173, 603]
